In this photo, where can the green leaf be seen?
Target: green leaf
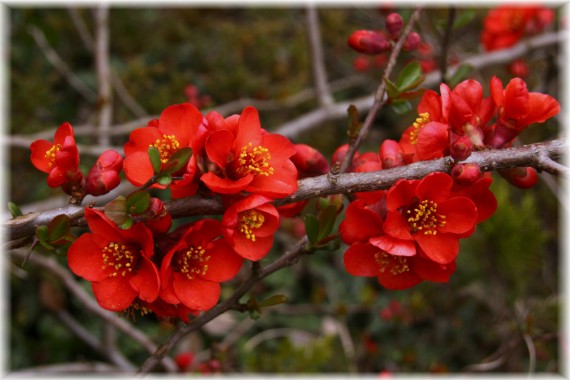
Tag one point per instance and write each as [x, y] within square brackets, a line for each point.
[164, 179]
[42, 233]
[14, 209]
[391, 89]
[116, 210]
[138, 202]
[410, 76]
[327, 218]
[154, 156]
[464, 18]
[354, 125]
[58, 227]
[311, 228]
[273, 300]
[126, 224]
[402, 107]
[177, 161]
[459, 75]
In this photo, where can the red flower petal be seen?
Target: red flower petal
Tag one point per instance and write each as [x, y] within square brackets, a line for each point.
[218, 147]
[226, 185]
[138, 168]
[396, 247]
[114, 293]
[196, 294]
[399, 281]
[100, 225]
[85, 258]
[431, 271]
[460, 215]
[516, 99]
[541, 108]
[360, 224]
[38, 156]
[249, 129]
[401, 194]
[496, 88]
[223, 264]
[435, 187]
[431, 103]
[140, 139]
[397, 226]
[280, 147]
[359, 260]
[182, 121]
[441, 248]
[433, 141]
[252, 250]
[146, 280]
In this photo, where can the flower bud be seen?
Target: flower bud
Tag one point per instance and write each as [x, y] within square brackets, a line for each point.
[159, 220]
[391, 154]
[361, 64]
[340, 152]
[412, 42]
[104, 175]
[368, 42]
[461, 147]
[184, 360]
[518, 68]
[501, 136]
[394, 23]
[466, 174]
[309, 161]
[523, 178]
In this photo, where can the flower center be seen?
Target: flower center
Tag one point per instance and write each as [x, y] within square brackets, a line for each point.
[253, 161]
[248, 221]
[166, 147]
[424, 217]
[420, 122]
[391, 263]
[192, 262]
[119, 257]
[50, 154]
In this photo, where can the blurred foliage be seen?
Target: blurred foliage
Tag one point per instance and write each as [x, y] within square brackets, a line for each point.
[507, 279]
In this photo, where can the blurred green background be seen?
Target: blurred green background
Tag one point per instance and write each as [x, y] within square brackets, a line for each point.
[502, 304]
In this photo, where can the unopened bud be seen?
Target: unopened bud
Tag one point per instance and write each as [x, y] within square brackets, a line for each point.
[523, 178]
[394, 23]
[412, 41]
[391, 154]
[368, 42]
[518, 68]
[309, 161]
[340, 152]
[466, 174]
[501, 136]
[104, 175]
[159, 220]
[460, 148]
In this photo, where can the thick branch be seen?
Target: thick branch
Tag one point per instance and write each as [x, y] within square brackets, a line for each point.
[528, 155]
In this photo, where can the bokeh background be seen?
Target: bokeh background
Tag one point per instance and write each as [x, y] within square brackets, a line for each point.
[500, 311]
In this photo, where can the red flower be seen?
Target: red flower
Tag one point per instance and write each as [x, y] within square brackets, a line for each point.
[192, 270]
[426, 213]
[104, 176]
[252, 160]
[179, 127]
[360, 223]
[517, 109]
[116, 261]
[249, 226]
[480, 194]
[59, 159]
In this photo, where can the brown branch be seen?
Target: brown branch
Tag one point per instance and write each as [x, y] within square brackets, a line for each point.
[90, 304]
[104, 105]
[287, 259]
[445, 43]
[379, 95]
[317, 59]
[346, 183]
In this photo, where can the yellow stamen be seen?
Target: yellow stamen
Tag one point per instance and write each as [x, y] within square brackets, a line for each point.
[120, 258]
[192, 262]
[424, 217]
[248, 221]
[420, 122]
[166, 147]
[395, 264]
[50, 154]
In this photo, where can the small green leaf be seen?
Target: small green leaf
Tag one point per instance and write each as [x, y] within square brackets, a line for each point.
[391, 89]
[126, 224]
[354, 123]
[402, 107]
[177, 161]
[327, 218]
[459, 75]
[14, 209]
[154, 156]
[116, 210]
[47, 246]
[42, 233]
[410, 76]
[138, 202]
[58, 227]
[273, 300]
[464, 18]
[164, 179]
[311, 228]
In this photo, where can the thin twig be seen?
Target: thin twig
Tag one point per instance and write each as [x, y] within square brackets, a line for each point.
[379, 95]
[81, 28]
[103, 75]
[317, 58]
[445, 43]
[92, 305]
[61, 66]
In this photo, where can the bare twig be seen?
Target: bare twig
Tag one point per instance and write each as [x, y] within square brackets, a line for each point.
[445, 43]
[64, 368]
[308, 188]
[103, 75]
[81, 28]
[317, 58]
[61, 66]
[379, 95]
[92, 305]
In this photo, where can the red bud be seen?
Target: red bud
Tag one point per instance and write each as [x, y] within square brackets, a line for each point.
[518, 68]
[466, 174]
[340, 152]
[412, 42]
[361, 64]
[368, 42]
[104, 176]
[394, 23]
[461, 147]
[184, 360]
[391, 154]
[523, 178]
[309, 161]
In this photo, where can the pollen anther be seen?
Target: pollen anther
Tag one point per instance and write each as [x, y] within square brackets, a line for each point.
[420, 122]
[424, 217]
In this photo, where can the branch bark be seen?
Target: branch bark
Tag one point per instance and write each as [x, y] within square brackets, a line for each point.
[537, 155]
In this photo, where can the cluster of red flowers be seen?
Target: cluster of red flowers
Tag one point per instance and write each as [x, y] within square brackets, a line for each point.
[175, 274]
[411, 232]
